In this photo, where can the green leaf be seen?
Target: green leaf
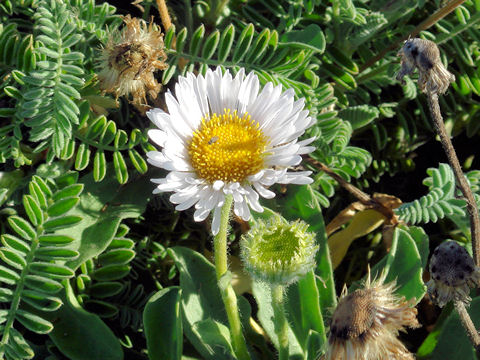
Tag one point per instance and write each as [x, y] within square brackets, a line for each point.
[111, 272]
[51, 270]
[103, 206]
[13, 242]
[359, 116]
[263, 297]
[226, 42]
[62, 206]
[211, 45]
[54, 239]
[302, 202]
[404, 263]
[22, 227]
[138, 161]
[201, 299]
[8, 276]
[453, 342]
[42, 284]
[120, 167]
[244, 42]
[62, 222]
[162, 321]
[99, 166]
[310, 38]
[196, 40]
[34, 322]
[80, 335]
[33, 210]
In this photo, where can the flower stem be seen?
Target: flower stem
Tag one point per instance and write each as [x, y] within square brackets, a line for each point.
[228, 294]
[462, 183]
[468, 325]
[164, 15]
[280, 321]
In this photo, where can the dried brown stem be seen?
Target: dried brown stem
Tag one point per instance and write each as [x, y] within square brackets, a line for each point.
[462, 183]
[164, 15]
[431, 20]
[364, 198]
[468, 325]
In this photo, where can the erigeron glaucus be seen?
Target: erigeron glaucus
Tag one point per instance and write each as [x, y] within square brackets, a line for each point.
[129, 60]
[366, 323]
[452, 272]
[223, 135]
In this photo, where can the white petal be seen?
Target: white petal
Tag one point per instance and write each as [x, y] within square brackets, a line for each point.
[267, 194]
[252, 197]
[217, 185]
[187, 204]
[216, 220]
[159, 117]
[201, 214]
[159, 137]
[299, 178]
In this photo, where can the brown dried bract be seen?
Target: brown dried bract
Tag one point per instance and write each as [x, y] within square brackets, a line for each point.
[366, 323]
[129, 61]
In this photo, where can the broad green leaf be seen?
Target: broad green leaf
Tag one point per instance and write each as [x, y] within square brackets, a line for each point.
[263, 297]
[102, 207]
[310, 38]
[404, 262]
[453, 342]
[80, 335]
[162, 321]
[201, 299]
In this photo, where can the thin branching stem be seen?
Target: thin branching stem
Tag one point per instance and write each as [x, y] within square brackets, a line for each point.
[462, 183]
[468, 325]
[363, 197]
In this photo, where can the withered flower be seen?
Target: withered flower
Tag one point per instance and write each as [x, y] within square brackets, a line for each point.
[130, 59]
[453, 273]
[366, 323]
[424, 55]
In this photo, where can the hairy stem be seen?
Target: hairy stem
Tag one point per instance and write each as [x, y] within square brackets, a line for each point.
[468, 325]
[164, 15]
[228, 294]
[431, 20]
[462, 183]
[280, 321]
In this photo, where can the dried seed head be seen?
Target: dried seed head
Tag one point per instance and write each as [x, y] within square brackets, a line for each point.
[453, 272]
[424, 55]
[130, 58]
[366, 323]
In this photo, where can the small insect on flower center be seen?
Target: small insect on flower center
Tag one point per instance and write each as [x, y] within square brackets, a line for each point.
[227, 147]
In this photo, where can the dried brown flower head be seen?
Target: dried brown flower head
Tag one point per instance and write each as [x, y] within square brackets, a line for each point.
[453, 273]
[366, 323]
[129, 60]
[424, 55]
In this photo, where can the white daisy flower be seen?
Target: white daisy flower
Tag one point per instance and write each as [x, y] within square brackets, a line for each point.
[223, 136]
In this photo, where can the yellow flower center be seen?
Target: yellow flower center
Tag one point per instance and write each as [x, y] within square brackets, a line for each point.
[227, 147]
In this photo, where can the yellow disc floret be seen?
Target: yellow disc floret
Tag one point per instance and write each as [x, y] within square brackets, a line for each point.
[227, 147]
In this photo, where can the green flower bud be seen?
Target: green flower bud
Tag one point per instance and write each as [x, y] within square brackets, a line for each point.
[278, 251]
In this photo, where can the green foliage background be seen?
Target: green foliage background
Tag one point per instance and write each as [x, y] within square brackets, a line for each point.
[92, 266]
